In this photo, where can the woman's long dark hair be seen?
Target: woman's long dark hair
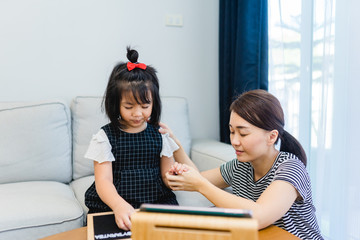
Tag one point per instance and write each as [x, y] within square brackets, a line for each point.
[263, 110]
[138, 82]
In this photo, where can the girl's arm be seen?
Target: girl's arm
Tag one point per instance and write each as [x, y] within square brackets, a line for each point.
[273, 203]
[165, 165]
[181, 156]
[191, 181]
[108, 194]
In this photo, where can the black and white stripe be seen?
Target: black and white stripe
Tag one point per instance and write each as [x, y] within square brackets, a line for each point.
[300, 220]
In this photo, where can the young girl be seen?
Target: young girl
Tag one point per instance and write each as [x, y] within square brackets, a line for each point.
[130, 156]
[273, 184]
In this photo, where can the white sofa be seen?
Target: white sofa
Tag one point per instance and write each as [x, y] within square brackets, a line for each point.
[43, 174]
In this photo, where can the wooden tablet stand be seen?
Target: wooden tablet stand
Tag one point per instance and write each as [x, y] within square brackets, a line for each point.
[150, 226]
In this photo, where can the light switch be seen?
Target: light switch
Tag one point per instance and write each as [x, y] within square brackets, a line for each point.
[174, 20]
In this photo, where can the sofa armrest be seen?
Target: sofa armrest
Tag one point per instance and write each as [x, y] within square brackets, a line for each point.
[206, 154]
[209, 153]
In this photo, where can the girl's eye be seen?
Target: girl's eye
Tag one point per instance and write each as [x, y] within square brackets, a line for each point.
[128, 108]
[145, 106]
[243, 135]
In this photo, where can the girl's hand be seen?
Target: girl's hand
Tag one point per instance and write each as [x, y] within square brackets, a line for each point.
[122, 215]
[178, 168]
[189, 180]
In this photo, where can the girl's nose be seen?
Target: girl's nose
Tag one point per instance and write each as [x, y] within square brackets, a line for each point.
[137, 112]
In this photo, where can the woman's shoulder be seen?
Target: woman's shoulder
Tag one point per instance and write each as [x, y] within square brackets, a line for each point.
[288, 162]
[235, 164]
[287, 158]
[292, 170]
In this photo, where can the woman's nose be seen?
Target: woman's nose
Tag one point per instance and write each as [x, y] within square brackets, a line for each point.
[235, 140]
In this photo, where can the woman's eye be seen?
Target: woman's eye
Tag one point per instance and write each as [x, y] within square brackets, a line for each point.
[128, 108]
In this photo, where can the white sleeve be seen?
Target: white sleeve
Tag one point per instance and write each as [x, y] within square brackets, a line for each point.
[168, 146]
[99, 148]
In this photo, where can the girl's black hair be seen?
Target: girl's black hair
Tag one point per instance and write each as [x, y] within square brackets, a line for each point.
[137, 81]
[263, 110]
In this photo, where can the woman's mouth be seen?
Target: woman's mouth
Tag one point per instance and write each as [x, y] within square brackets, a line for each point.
[238, 152]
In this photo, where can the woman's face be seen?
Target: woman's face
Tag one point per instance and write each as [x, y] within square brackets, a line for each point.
[250, 142]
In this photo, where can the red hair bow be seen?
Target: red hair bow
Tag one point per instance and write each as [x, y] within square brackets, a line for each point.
[131, 66]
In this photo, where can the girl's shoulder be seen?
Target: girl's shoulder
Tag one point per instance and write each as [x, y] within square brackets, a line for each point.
[108, 126]
[152, 129]
[110, 129]
[149, 125]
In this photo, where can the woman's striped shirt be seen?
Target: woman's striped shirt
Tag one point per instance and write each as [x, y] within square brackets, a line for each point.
[300, 219]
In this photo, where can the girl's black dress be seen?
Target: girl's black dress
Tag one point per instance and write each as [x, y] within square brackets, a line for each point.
[136, 169]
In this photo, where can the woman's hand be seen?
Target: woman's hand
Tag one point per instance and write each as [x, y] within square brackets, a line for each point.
[122, 215]
[189, 179]
[165, 129]
[180, 154]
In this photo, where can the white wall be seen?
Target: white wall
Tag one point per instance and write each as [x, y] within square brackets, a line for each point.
[64, 48]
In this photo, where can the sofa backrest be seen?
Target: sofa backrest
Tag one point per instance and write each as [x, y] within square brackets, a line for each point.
[35, 142]
[175, 114]
[87, 119]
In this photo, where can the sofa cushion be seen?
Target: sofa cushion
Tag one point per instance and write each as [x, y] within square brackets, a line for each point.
[37, 136]
[194, 199]
[87, 119]
[31, 210]
[79, 186]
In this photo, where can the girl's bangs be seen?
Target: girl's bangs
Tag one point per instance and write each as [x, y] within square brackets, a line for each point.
[139, 90]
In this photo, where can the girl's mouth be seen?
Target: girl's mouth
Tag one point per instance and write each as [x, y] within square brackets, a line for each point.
[137, 121]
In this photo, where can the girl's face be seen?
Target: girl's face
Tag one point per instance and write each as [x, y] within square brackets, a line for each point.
[250, 142]
[134, 115]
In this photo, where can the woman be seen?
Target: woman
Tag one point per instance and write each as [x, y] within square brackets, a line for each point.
[273, 184]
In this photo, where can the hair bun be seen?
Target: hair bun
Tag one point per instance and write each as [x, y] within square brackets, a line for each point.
[132, 55]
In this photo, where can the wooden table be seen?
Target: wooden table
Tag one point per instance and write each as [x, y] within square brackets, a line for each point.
[269, 233]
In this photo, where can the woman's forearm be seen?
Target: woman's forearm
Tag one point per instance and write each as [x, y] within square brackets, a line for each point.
[271, 205]
[192, 180]
[223, 199]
